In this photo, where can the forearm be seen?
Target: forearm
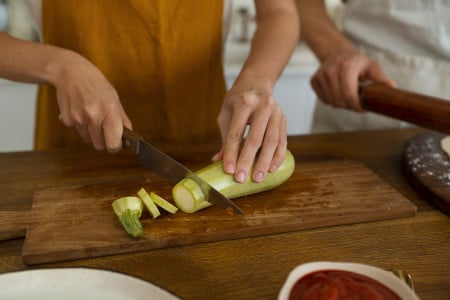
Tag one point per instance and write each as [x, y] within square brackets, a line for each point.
[272, 45]
[319, 31]
[30, 62]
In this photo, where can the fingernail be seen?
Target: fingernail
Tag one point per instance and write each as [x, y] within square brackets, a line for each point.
[258, 177]
[229, 168]
[240, 177]
[273, 168]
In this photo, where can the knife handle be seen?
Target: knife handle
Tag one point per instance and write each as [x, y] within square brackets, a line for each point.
[422, 110]
[131, 140]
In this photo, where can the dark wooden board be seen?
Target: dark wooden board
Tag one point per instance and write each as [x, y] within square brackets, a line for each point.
[428, 168]
[67, 223]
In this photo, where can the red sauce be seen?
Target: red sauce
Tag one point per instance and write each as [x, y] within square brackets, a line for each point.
[335, 284]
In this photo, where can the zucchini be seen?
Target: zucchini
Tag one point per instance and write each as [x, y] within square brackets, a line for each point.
[189, 196]
[163, 203]
[149, 203]
[129, 210]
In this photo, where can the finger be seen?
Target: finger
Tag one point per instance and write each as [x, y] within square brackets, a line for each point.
[332, 88]
[218, 156]
[83, 133]
[328, 91]
[96, 135]
[254, 140]
[350, 82]
[376, 74]
[223, 121]
[280, 151]
[320, 90]
[234, 138]
[270, 144]
[113, 131]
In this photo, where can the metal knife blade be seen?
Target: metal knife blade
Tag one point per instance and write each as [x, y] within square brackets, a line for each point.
[162, 164]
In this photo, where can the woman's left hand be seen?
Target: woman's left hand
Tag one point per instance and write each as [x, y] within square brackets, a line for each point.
[249, 105]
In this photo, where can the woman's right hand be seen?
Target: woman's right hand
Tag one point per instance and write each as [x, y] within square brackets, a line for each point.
[89, 103]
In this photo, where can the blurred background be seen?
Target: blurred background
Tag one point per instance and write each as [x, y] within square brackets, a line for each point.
[17, 100]
[293, 92]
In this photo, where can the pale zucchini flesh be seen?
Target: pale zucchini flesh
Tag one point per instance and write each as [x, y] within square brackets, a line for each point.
[163, 203]
[149, 204]
[189, 196]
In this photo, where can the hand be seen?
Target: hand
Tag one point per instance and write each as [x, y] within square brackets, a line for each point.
[90, 104]
[256, 108]
[337, 80]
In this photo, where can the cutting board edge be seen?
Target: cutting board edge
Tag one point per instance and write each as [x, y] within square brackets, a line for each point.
[47, 257]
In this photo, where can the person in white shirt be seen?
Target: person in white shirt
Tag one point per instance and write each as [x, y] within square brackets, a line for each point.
[401, 43]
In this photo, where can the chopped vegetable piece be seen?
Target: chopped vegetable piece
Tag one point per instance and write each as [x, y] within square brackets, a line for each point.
[189, 196]
[148, 201]
[163, 203]
[129, 210]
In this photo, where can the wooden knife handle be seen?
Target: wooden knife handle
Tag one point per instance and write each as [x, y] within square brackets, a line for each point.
[131, 140]
[422, 110]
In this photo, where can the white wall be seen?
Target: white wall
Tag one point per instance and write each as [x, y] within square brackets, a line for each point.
[17, 100]
[17, 116]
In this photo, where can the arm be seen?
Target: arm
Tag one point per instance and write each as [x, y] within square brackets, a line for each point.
[86, 100]
[250, 101]
[342, 66]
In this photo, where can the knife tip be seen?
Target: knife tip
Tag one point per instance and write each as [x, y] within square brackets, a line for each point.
[234, 210]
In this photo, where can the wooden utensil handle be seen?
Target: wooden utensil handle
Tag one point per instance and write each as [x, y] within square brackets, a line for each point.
[13, 224]
[131, 140]
[422, 110]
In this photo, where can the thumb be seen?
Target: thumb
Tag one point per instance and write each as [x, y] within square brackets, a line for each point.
[376, 74]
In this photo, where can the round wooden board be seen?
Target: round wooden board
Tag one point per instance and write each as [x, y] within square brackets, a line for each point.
[428, 168]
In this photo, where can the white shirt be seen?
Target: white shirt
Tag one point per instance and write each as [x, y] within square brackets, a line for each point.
[410, 39]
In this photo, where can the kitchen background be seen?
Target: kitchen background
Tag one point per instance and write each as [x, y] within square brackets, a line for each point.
[293, 92]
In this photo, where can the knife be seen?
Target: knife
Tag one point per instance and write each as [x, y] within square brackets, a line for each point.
[162, 164]
[422, 110]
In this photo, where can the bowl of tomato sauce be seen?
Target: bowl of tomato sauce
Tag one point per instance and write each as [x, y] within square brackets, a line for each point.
[342, 280]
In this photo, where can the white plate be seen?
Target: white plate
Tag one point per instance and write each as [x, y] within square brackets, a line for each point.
[77, 283]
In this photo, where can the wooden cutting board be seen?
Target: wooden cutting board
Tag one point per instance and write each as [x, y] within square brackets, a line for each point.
[67, 223]
[428, 168]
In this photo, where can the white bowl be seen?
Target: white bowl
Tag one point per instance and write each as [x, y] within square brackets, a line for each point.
[384, 277]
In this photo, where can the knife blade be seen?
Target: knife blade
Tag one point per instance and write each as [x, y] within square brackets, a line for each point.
[162, 164]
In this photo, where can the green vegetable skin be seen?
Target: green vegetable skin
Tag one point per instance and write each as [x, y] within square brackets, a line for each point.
[190, 198]
[129, 210]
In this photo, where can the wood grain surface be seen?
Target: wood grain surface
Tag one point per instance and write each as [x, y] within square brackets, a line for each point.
[253, 267]
[68, 223]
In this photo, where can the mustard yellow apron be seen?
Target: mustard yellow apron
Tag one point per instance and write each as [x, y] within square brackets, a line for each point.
[163, 57]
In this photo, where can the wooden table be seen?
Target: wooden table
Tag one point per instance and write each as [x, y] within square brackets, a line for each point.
[252, 268]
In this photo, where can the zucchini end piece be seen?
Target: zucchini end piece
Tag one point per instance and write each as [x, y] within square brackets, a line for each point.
[130, 222]
[128, 210]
